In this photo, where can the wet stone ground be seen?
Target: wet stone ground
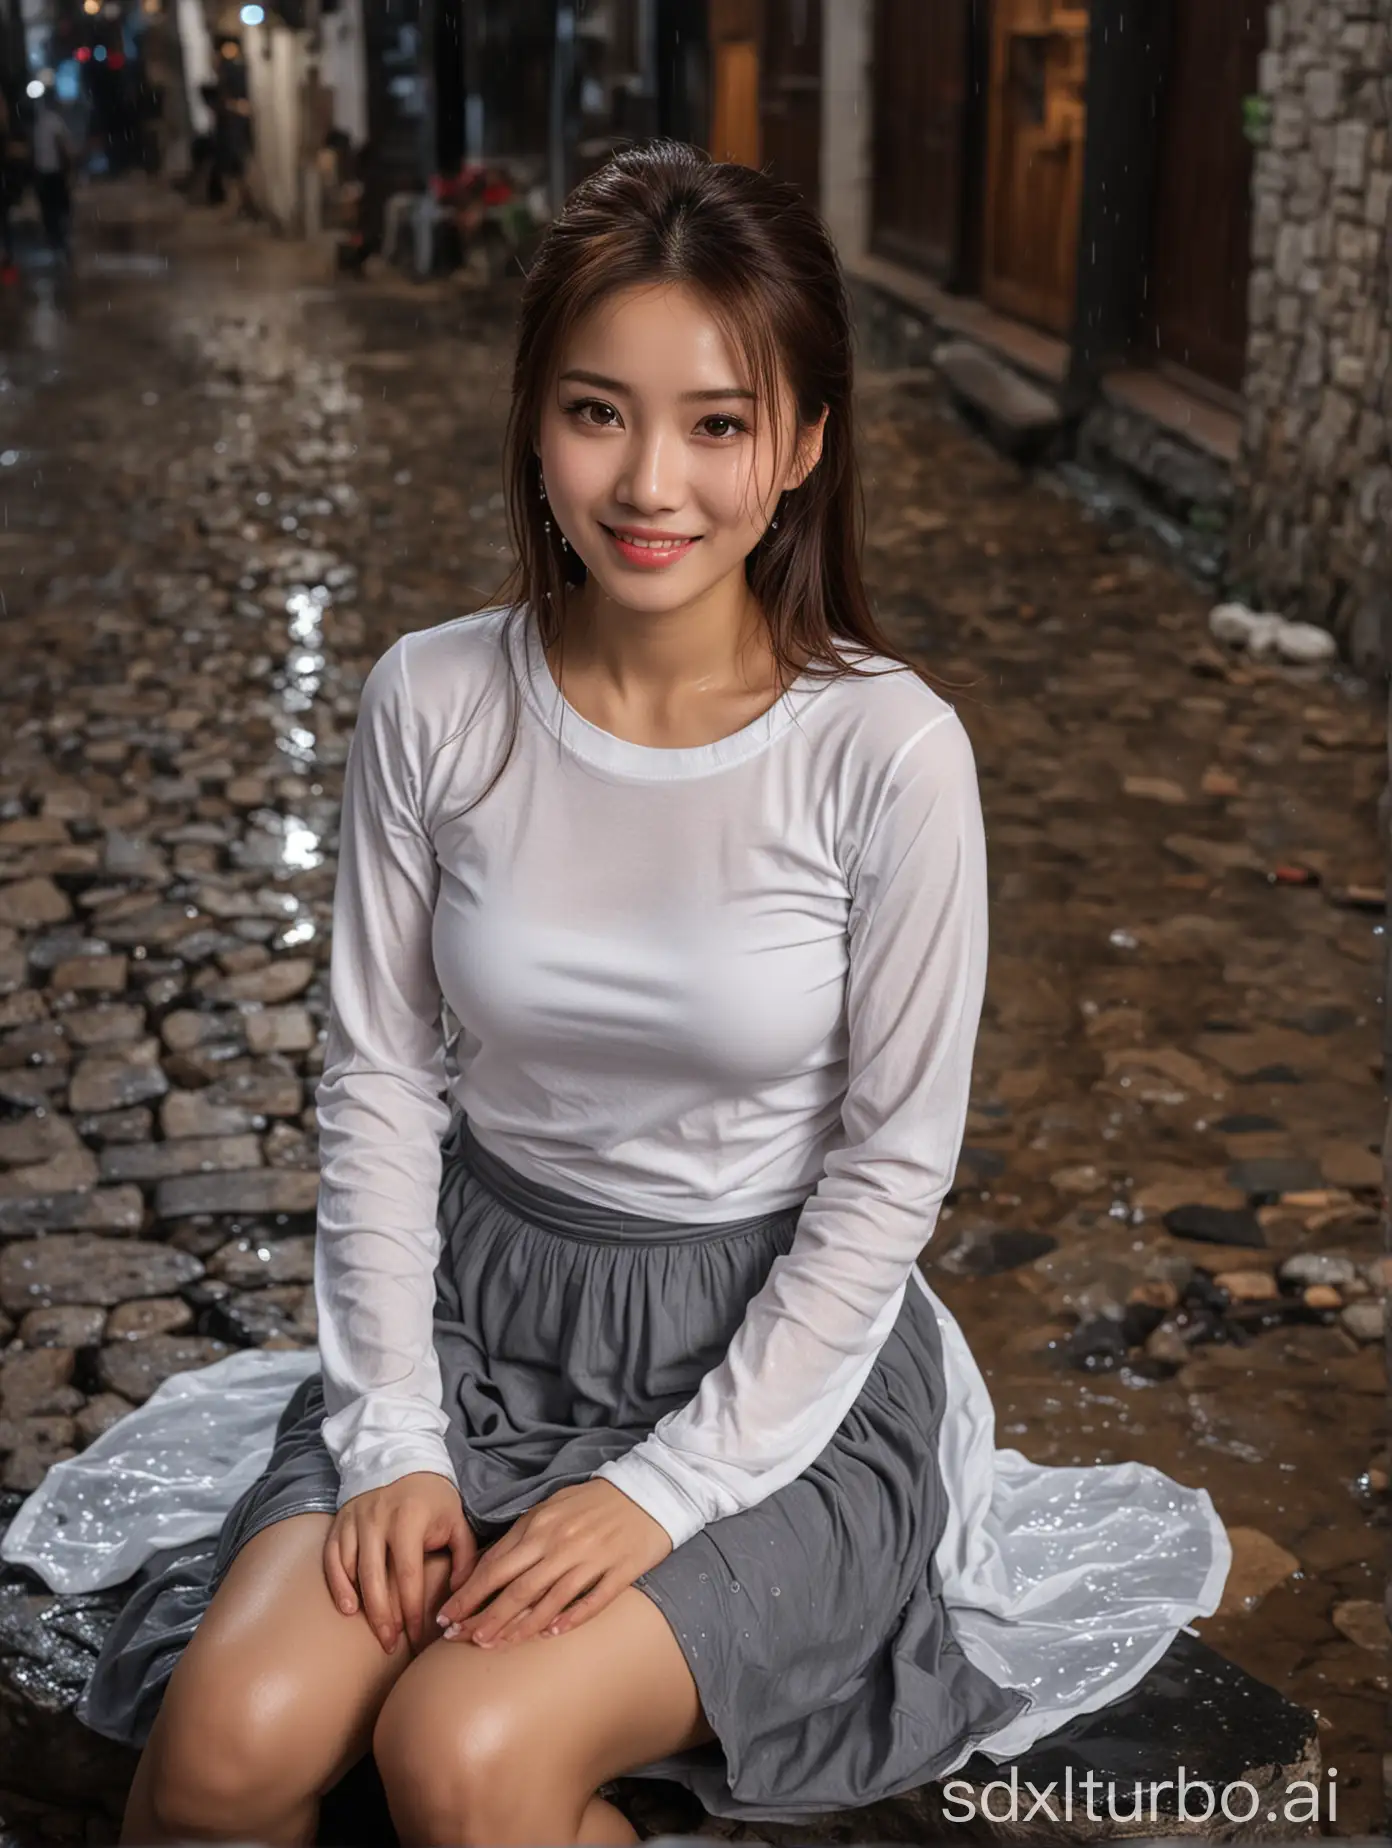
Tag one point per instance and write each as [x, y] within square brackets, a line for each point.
[226, 486]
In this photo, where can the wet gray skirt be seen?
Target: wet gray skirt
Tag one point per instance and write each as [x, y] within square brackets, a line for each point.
[812, 1624]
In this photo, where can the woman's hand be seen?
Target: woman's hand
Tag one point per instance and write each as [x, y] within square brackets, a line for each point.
[378, 1544]
[557, 1565]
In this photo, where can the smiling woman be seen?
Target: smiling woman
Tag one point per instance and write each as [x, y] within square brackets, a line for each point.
[660, 942]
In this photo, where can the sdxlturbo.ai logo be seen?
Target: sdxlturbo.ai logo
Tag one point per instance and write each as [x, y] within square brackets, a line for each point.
[1097, 1799]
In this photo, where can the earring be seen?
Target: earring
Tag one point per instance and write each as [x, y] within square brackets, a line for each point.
[774, 521]
[541, 484]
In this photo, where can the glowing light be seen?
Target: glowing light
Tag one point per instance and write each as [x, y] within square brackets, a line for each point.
[99, 53]
[34, 89]
[83, 53]
[252, 14]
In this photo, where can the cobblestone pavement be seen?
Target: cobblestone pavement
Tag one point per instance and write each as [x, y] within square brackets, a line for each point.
[228, 486]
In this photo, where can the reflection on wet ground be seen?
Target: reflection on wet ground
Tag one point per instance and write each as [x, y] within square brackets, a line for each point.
[227, 486]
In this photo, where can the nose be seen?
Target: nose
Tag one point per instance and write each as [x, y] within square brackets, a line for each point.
[652, 479]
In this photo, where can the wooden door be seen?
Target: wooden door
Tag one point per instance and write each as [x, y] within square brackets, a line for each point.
[921, 50]
[1202, 222]
[1036, 131]
[790, 93]
[734, 38]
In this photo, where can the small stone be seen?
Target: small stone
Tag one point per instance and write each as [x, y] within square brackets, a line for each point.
[101, 1084]
[1321, 1296]
[256, 1190]
[1274, 1174]
[1363, 1622]
[1349, 1164]
[80, 1268]
[276, 981]
[105, 1209]
[101, 1411]
[187, 1028]
[38, 1381]
[107, 1126]
[36, 1137]
[155, 1315]
[1365, 1321]
[245, 1262]
[73, 1171]
[1155, 789]
[280, 1029]
[29, 903]
[135, 1368]
[90, 975]
[268, 1090]
[1379, 1275]
[1325, 1267]
[261, 1316]
[66, 1325]
[154, 1161]
[43, 1442]
[1217, 1225]
[1154, 1293]
[1259, 1565]
[1167, 1344]
[1248, 1286]
[197, 1114]
[111, 1024]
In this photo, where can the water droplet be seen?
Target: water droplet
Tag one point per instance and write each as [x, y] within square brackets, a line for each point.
[734, 1584]
[775, 1590]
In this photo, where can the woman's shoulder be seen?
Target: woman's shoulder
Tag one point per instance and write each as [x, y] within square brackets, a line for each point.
[432, 675]
[882, 710]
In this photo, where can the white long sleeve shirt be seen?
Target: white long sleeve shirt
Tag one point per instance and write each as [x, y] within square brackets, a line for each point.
[695, 984]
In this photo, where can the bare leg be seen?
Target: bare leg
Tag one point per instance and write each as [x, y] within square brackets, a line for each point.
[603, 1824]
[456, 1739]
[273, 1700]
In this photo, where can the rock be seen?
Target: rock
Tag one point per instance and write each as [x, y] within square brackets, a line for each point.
[269, 1090]
[38, 1381]
[1218, 1225]
[108, 1126]
[73, 1171]
[274, 982]
[1020, 417]
[115, 1084]
[1155, 789]
[195, 1114]
[1349, 1164]
[255, 1190]
[1363, 1622]
[154, 1161]
[1259, 1565]
[111, 1024]
[153, 1315]
[135, 1368]
[1321, 1296]
[244, 1262]
[1274, 1174]
[42, 1443]
[1167, 1344]
[31, 902]
[271, 1315]
[185, 1029]
[90, 974]
[987, 1251]
[36, 1137]
[1366, 1321]
[79, 1268]
[1324, 1267]
[280, 1029]
[99, 1414]
[1249, 1286]
[105, 1209]
[65, 1325]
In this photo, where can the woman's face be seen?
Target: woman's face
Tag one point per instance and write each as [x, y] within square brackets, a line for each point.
[652, 433]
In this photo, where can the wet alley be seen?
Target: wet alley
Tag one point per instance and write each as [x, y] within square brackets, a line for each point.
[226, 485]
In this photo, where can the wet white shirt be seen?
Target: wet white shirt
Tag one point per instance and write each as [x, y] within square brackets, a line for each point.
[694, 984]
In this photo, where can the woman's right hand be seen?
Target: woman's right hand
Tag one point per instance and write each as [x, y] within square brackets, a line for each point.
[377, 1546]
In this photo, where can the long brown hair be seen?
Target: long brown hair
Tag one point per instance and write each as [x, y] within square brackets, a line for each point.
[763, 262]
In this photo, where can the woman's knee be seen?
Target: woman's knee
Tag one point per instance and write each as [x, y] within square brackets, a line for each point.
[227, 1751]
[477, 1776]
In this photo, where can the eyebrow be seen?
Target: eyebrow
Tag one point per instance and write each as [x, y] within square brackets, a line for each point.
[597, 378]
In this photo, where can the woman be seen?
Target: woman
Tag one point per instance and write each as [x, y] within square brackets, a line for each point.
[639, 1443]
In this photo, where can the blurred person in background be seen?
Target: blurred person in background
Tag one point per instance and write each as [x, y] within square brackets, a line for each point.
[54, 159]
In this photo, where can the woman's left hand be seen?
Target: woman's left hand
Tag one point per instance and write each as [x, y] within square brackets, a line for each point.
[557, 1565]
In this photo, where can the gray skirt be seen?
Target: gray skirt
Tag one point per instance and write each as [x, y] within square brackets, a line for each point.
[813, 1623]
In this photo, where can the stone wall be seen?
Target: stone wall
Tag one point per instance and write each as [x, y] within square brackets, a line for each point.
[1314, 479]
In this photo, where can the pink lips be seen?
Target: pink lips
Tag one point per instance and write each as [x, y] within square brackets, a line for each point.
[649, 557]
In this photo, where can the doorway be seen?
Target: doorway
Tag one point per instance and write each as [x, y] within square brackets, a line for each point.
[1036, 133]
